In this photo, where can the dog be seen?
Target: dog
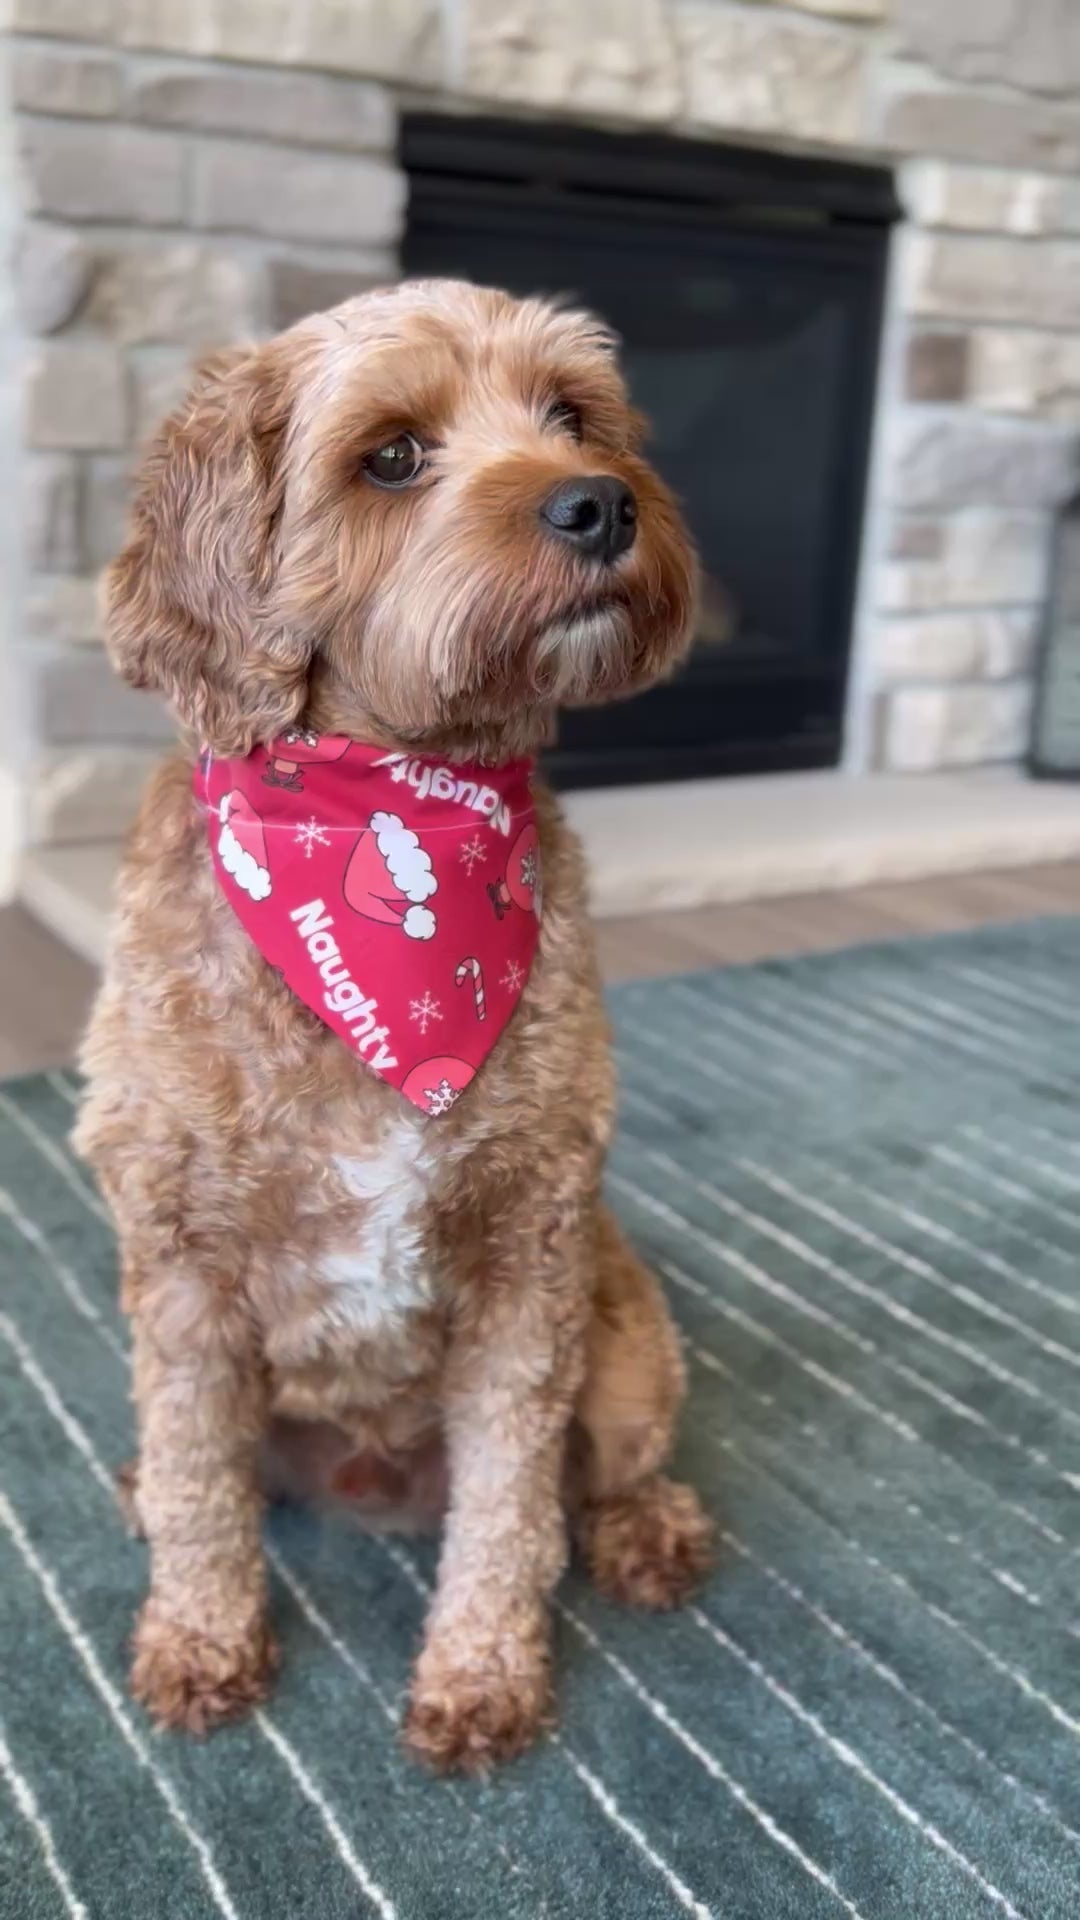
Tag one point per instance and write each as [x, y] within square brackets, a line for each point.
[410, 529]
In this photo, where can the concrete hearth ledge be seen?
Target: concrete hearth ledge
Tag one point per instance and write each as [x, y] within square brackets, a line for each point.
[705, 842]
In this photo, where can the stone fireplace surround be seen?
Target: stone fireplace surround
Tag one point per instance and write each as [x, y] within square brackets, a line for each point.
[180, 172]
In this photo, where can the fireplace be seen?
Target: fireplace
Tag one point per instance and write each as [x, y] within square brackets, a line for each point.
[747, 289]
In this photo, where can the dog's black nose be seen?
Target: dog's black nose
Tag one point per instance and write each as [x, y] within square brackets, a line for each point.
[597, 515]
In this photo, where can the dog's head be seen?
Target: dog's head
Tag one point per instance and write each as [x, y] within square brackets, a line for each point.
[422, 516]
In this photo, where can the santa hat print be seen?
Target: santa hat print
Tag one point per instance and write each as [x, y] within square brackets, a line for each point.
[367, 889]
[389, 877]
[242, 845]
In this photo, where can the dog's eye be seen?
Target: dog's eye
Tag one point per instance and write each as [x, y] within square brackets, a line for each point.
[395, 464]
[561, 417]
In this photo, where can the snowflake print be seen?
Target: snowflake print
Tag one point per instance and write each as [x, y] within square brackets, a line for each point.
[513, 977]
[309, 835]
[528, 868]
[440, 1099]
[471, 852]
[425, 1010]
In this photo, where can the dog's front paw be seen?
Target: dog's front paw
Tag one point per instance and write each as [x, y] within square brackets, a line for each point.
[187, 1680]
[650, 1547]
[469, 1712]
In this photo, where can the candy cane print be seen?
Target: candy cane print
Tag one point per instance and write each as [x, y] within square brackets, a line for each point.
[472, 966]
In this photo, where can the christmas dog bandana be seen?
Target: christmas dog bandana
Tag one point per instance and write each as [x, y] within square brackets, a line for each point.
[398, 897]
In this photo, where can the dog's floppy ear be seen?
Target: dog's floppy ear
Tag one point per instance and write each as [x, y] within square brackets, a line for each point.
[188, 603]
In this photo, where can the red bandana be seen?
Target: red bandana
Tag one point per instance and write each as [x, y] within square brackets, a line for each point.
[398, 897]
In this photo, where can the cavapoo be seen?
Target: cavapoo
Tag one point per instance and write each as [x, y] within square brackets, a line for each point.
[349, 1086]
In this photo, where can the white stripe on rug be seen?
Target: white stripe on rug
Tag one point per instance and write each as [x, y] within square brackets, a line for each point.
[63, 1087]
[854, 1761]
[1016, 1190]
[948, 1237]
[609, 1806]
[307, 1606]
[103, 1686]
[669, 1721]
[922, 1270]
[700, 1236]
[84, 1446]
[894, 1309]
[60, 1271]
[51, 1152]
[845, 1638]
[28, 1366]
[713, 1364]
[708, 1761]
[379, 1900]
[1018, 1678]
[23, 1795]
[978, 1210]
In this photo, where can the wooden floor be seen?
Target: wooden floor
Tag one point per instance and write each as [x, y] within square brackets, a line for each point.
[817, 922]
[45, 992]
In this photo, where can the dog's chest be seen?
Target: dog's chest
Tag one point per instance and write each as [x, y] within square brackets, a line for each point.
[371, 1272]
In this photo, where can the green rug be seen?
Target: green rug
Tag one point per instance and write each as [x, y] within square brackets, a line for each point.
[860, 1175]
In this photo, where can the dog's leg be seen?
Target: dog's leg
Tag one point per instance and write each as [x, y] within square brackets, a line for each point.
[644, 1537]
[202, 1652]
[481, 1688]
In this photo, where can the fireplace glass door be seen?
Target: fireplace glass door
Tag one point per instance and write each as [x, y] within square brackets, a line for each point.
[747, 293]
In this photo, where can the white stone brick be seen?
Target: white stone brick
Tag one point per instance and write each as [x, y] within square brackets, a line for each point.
[610, 57]
[1034, 283]
[983, 559]
[75, 19]
[994, 644]
[378, 39]
[63, 610]
[106, 506]
[77, 396]
[399, 42]
[75, 700]
[84, 171]
[1025, 372]
[916, 537]
[52, 271]
[50, 517]
[161, 377]
[745, 74]
[270, 30]
[1031, 44]
[996, 130]
[183, 292]
[90, 794]
[844, 9]
[1064, 213]
[981, 199]
[181, 27]
[963, 726]
[938, 461]
[245, 187]
[295, 288]
[312, 109]
[48, 80]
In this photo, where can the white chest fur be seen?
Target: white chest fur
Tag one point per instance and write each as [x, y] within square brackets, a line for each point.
[377, 1273]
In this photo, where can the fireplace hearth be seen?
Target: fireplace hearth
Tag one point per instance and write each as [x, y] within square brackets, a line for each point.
[747, 289]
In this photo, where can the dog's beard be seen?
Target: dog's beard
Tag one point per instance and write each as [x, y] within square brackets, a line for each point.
[582, 652]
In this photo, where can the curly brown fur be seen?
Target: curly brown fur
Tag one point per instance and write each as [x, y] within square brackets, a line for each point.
[267, 580]
[191, 1682]
[648, 1547]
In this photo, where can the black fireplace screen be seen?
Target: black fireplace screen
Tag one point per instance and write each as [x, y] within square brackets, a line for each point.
[747, 290]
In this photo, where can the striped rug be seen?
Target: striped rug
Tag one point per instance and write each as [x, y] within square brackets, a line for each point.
[860, 1175]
